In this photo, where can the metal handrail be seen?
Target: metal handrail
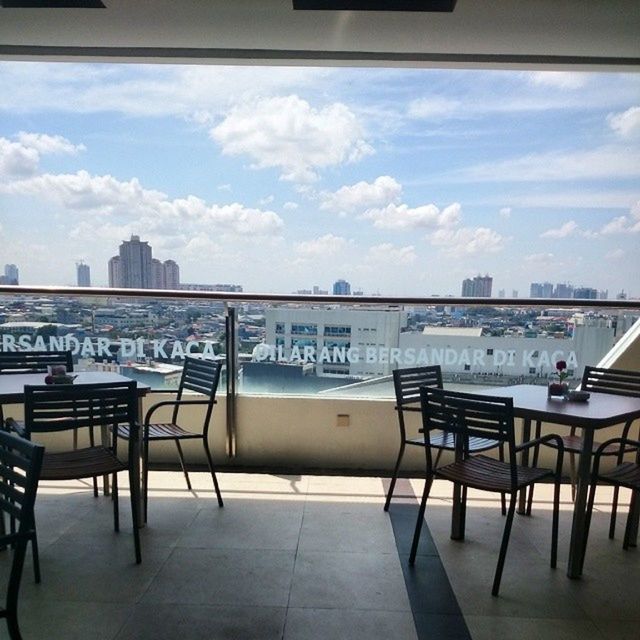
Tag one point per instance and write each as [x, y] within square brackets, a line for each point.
[223, 296]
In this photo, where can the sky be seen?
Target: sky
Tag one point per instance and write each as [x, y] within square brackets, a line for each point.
[401, 181]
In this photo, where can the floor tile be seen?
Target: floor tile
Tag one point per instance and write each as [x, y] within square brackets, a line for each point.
[501, 628]
[224, 577]
[348, 581]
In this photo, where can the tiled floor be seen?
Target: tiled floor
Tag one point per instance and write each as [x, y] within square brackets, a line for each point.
[314, 557]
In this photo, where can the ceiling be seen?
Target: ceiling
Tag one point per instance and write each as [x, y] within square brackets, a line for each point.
[603, 34]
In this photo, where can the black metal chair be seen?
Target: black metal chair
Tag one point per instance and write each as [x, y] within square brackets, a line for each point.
[20, 465]
[624, 474]
[198, 376]
[57, 408]
[32, 362]
[407, 384]
[618, 382]
[467, 416]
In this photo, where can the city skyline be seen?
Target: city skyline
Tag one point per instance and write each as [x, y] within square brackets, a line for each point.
[400, 181]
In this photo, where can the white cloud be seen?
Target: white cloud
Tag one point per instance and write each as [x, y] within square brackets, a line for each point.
[467, 241]
[626, 123]
[433, 107]
[224, 187]
[558, 79]
[153, 210]
[44, 143]
[539, 258]
[290, 206]
[615, 254]
[289, 134]
[402, 216]
[266, 200]
[567, 229]
[383, 191]
[624, 224]
[505, 212]
[323, 246]
[603, 162]
[22, 158]
[388, 255]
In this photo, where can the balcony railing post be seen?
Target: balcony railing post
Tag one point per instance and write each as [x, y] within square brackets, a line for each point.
[231, 348]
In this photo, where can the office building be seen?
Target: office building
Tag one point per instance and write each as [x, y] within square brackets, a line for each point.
[11, 274]
[171, 274]
[479, 287]
[158, 280]
[83, 274]
[341, 288]
[541, 290]
[136, 266]
[115, 277]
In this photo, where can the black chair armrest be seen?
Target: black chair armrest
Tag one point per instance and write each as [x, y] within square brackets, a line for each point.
[623, 442]
[17, 427]
[542, 440]
[172, 403]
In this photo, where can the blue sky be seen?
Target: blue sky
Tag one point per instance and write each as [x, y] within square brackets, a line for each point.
[402, 181]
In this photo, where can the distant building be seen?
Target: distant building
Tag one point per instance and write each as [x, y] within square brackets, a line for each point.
[341, 288]
[225, 288]
[171, 274]
[115, 276]
[317, 291]
[136, 265]
[83, 273]
[563, 291]
[479, 287]
[158, 274]
[541, 290]
[585, 293]
[11, 274]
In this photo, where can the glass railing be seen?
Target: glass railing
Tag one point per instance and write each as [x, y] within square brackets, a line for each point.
[325, 346]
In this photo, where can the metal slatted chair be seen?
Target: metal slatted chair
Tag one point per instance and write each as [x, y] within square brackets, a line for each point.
[618, 382]
[58, 408]
[624, 474]
[32, 362]
[407, 384]
[20, 464]
[467, 416]
[198, 376]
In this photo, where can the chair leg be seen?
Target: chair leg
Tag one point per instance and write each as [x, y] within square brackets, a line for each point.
[145, 476]
[12, 625]
[587, 521]
[116, 508]
[135, 513]
[92, 443]
[573, 476]
[503, 496]
[36, 557]
[555, 524]
[396, 469]
[614, 512]
[634, 507]
[182, 464]
[536, 454]
[420, 521]
[505, 543]
[213, 473]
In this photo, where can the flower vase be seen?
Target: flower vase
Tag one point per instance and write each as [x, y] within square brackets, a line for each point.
[557, 390]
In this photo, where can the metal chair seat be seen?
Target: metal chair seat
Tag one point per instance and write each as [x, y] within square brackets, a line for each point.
[81, 463]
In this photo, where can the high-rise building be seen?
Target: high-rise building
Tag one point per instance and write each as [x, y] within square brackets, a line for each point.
[171, 274]
[479, 287]
[11, 274]
[541, 290]
[341, 288]
[158, 280]
[587, 293]
[115, 273]
[563, 290]
[136, 266]
[83, 273]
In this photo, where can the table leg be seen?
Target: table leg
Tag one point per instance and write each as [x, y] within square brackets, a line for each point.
[137, 466]
[458, 512]
[634, 515]
[524, 461]
[577, 544]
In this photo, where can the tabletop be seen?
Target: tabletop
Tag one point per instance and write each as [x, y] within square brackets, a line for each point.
[12, 384]
[600, 411]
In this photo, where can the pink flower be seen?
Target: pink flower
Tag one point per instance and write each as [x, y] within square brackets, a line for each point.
[561, 369]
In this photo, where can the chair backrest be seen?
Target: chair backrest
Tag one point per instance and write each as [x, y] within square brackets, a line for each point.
[407, 384]
[53, 408]
[33, 361]
[200, 376]
[468, 415]
[616, 381]
[20, 465]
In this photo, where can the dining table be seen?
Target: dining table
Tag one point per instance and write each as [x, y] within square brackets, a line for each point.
[12, 387]
[601, 410]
